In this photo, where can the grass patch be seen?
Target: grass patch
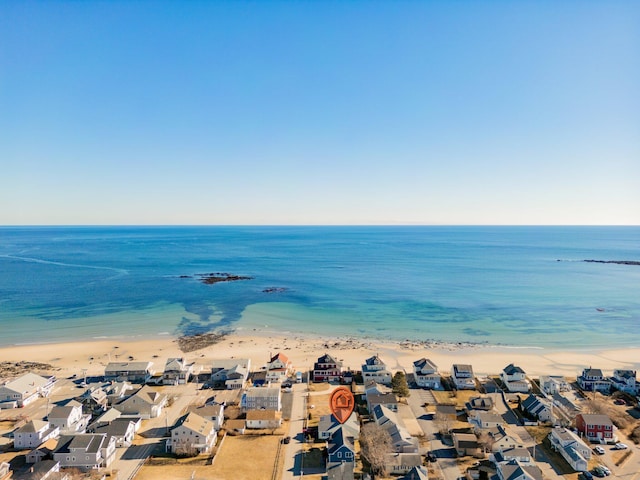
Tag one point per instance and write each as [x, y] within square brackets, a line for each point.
[458, 398]
[232, 460]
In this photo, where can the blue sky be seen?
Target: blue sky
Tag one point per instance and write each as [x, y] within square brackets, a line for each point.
[312, 112]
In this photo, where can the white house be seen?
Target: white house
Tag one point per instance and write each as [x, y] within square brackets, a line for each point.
[329, 424]
[263, 419]
[145, 403]
[426, 374]
[481, 419]
[193, 434]
[278, 368]
[539, 408]
[27, 388]
[69, 418]
[551, 384]
[592, 379]
[214, 413]
[515, 379]
[134, 372]
[625, 381]
[375, 369]
[86, 451]
[177, 371]
[34, 433]
[515, 470]
[233, 373]
[571, 447]
[462, 376]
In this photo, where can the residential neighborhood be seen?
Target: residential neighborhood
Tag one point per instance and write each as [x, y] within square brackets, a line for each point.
[137, 422]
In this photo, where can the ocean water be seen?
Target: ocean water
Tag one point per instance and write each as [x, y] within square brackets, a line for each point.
[518, 286]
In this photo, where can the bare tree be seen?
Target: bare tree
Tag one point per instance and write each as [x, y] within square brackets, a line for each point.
[443, 422]
[375, 443]
[486, 441]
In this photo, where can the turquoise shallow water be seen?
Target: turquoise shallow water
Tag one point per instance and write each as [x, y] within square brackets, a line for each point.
[497, 285]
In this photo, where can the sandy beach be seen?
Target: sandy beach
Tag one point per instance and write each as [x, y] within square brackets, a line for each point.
[72, 358]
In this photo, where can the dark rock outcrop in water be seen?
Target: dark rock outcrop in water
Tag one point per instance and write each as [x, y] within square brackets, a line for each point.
[217, 277]
[275, 290]
[617, 262]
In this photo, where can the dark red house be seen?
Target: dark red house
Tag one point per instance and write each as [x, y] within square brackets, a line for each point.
[327, 369]
[596, 428]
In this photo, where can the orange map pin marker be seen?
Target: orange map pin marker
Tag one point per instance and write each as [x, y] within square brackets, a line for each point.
[342, 403]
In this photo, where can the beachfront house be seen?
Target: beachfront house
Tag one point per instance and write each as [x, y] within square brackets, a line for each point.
[596, 428]
[145, 403]
[133, 372]
[192, 435]
[375, 369]
[462, 376]
[231, 374]
[26, 389]
[33, 434]
[571, 447]
[69, 418]
[327, 369]
[278, 368]
[257, 419]
[515, 379]
[426, 375]
[593, 380]
[538, 408]
[86, 451]
[177, 371]
[551, 384]
[625, 381]
[261, 398]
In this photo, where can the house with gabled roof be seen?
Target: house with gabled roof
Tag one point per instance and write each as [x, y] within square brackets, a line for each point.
[44, 470]
[329, 424]
[479, 403]
[401, 463]
[596, 428]
[520, 454]
[375, 369]
[34, 433]
[145, 403]
[69, 418]
[466, 444]
[551, 384]
[232, 373]
[94, 401]
[123, 429]
[426, 375]
[463, 377]
[261, 398]
[515, 379]
[502, 439]
[26, 389]
[133, 372]
[539, 408]
[389, 400]
[625, 381]
[327, 369]
[86, 451]
[192, 434]
[417, 473]
[43, 451]
[515, 470]
[592, 379]
[484, 420]
[269, 419]
[177, 371]
[278, 368]
[340, 448]
[214, 413]
[571, 447]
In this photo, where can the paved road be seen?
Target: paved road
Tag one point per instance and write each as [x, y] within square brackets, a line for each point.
[293, 451]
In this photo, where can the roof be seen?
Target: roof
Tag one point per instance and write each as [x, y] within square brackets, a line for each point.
[32, 426]
[416, 473]
[480, 403]
[340, 439]
[326, 358]
[127, 366]
[27, 382]
[207, 410]
[511, 369]
[63, 412]
[592, 372]
[462, 368]
[262, 415]
[425, 362]
[280, 356]
[196, 423]
[595, 419]
[374, 360]
[150, 395]
[382, 398]
[514, 470]
[118, 427]
[465, 440]
[262, 392]
[226, 363]
[173, 364]
[88, 442]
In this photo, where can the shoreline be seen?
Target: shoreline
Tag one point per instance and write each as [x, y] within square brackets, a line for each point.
[303, 349]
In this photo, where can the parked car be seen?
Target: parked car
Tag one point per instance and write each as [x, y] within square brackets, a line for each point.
[620, 446]
[605, 470]
[599, 450]
[286, 440]
[587, 476]
[431, 457]
[599, 472]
